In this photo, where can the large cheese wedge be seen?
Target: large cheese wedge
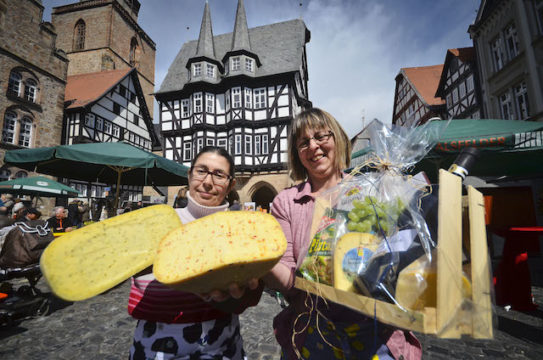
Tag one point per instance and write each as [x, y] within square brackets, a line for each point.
[417, 285]
[351, 253]
[219, 249]
[88, 261]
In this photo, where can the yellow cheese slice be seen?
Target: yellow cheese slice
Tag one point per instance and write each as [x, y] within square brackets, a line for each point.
[88, 261]
[352, 251]
[216, 250]
[417, 285]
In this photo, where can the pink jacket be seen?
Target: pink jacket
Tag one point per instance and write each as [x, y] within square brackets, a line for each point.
[293, 208]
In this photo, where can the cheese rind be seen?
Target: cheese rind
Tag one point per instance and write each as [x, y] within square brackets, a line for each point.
[211, 252]
[88, 261]
[352, 251]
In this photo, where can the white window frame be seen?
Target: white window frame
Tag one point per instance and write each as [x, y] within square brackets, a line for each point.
[265, 149]
[10, 124]
[506, 106]
[257, 145]
[15, 82]
[25, 131]
[116, 131]
[31, 90]
[185, 108]
[210, 142]
[249, 64]
[197, 97]
[210, 70]
[235, 63]
[227, 100]
[236, 98]
[248, 98]
[498, 54]
[197, 70]
[199, 145]
[461, 90]
[511, 41]
[248, 145]
[89, 120]
[521, 101]
[260, 98]
[237, 148]
[99, 123]
[470, 84]
[222, 143]
[107, 127]
[210, 103]
[187, 151]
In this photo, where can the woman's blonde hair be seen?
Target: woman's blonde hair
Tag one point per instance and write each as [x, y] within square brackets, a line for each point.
[316, 119]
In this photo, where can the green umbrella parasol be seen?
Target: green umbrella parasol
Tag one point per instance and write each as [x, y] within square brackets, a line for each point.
[37, 186]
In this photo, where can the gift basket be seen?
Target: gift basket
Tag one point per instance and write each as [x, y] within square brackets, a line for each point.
[389, 245]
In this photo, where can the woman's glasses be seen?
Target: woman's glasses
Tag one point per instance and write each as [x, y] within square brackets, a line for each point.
[320, 138]
[218, 177]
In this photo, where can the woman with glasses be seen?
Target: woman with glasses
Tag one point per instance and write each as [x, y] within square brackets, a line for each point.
[180, 325]
[318, 150]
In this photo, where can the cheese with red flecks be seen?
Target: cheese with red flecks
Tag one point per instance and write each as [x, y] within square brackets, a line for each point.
[86, 262]
[226, 247]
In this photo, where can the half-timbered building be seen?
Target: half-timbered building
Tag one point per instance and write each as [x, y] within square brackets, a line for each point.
[107, 106]
[459, 84]
[414, 97]
[508, 38]
[239, 91]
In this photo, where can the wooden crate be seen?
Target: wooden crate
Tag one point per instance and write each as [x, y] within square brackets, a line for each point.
[451, 317]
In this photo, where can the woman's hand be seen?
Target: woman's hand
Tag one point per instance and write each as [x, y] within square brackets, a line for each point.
[234, 291]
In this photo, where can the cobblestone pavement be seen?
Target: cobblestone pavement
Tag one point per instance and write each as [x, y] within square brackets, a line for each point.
[100, 328]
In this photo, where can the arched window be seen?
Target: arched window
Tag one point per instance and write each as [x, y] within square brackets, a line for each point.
[14, 85]
[133, 47]
[21, 174]
[5, 174]
[79, 35]
[31, 90]
[8, 132]
[25, 132]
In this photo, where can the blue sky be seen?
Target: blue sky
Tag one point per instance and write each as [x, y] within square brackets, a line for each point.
[356, 50]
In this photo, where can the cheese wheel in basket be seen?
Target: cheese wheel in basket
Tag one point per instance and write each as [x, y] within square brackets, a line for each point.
[88, 261]
[211, 252]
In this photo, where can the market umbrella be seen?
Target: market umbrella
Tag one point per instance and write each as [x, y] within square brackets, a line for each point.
[109, 162]
[508, 147]
[37, 186]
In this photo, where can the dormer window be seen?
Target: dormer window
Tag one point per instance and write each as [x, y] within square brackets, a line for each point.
[235, 63]
[249, 64]
[197, 70]
[210, 70]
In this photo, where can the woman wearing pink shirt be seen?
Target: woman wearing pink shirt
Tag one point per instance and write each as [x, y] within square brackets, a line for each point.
[318, 151]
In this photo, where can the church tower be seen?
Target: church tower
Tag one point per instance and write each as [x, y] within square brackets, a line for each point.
[104, 35]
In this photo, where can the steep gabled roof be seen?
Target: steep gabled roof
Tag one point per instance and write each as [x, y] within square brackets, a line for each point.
[205, 46]
[279, 46]
[465, 55]
[425, 80]
[85, 89]
[240, 38]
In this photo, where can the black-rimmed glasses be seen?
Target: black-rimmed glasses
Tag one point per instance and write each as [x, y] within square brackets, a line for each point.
[218, 177]
[319, 138]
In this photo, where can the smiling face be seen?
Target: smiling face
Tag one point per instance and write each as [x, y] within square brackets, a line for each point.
[317, 153]
[206, 191]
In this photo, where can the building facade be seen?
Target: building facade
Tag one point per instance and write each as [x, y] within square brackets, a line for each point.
[508, 39]
[459, 84]
[415, 101]
[239, 91]
[32, 80]
[102, 35]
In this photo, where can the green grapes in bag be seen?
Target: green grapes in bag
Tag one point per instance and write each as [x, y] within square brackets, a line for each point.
[317, 265]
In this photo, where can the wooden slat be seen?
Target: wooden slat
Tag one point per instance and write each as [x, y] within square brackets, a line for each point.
[385, 313]
[480, 267]
[449, 255]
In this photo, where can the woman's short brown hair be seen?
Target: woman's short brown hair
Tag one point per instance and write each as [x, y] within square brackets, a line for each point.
[317, 119]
